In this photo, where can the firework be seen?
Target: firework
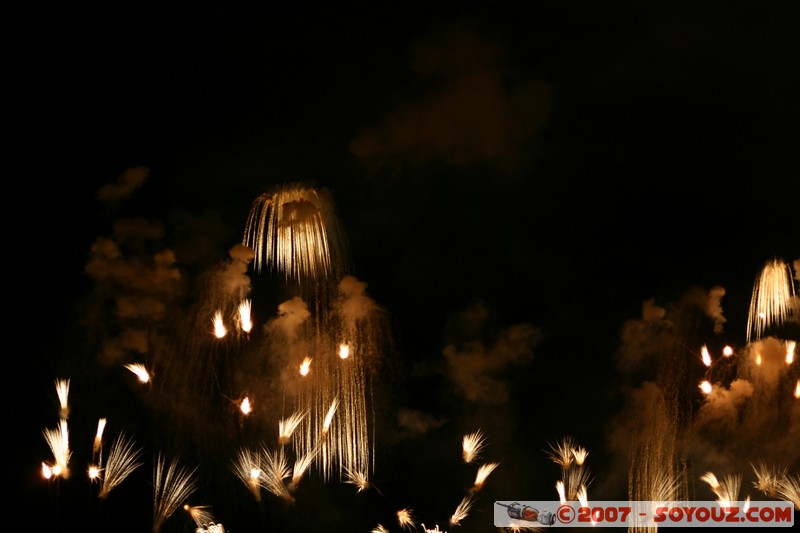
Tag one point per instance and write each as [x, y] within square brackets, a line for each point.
[561, 452]
[726, 489]
[219, 325]
[305, 366]
[379, 529]
[245, 319]
[245, 406]
[574, 472]
[483, 472]
[359, 479]
[201, 514]
[472, 444]
[462, 510]
[97, 446]
[62, 390]
[58, 440]
[405, 518]
[789, 489]
[287, 426]
[247, 467]
[771, 301]
[172, 485]
[562, 495]
[301, 465]
[790, 349]
[329, 416]
[139, 371]
[705, 355]
[275, 470]
[767, 478]
[294, 230]
[123, 459]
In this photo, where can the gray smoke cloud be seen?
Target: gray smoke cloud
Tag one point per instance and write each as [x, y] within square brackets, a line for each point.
[749, 415]
[477, 367]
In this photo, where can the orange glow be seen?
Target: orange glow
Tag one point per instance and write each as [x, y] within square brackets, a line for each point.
[219, 326]
[727, 351]
[245, 320]
[706, 356]
[705, 386]
[245, 406]
[305, 366]
[344, 351]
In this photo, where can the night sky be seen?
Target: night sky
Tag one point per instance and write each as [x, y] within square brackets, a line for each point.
[550, 208]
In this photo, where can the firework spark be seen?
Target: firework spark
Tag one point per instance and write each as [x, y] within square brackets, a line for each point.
[379, 529]
[562, 495]
[344, 351]
[301, 466]
[247, 467]
[329, 416]
[139, 371]
[123, 459]
[790, 349]
[245, 318]
[219, 325]
[287, 426]
[705, 355]
[405, 518]
[726, 489]
[561, 452]
[770, 304]
[767, 478]
[789, 489]
[245, 406]
[472, 445]
[172, 485]
[574, 472]
[483, 472]
[58, 440]
[359, 479]
[275, 469]
[305, 366]
[98, 437]
[201, 514]
[462, 510]
[62, 390]
[294, 230]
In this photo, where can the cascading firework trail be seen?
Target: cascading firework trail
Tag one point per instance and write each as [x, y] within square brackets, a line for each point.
[773, 299]
[293, 230]
[123, 459]
[172, 485]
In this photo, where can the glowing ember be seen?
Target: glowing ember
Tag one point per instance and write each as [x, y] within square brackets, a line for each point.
[245, 407]
[305, 366]
[344, 351]
[245, 320]
[219, 325]
[706, 356]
